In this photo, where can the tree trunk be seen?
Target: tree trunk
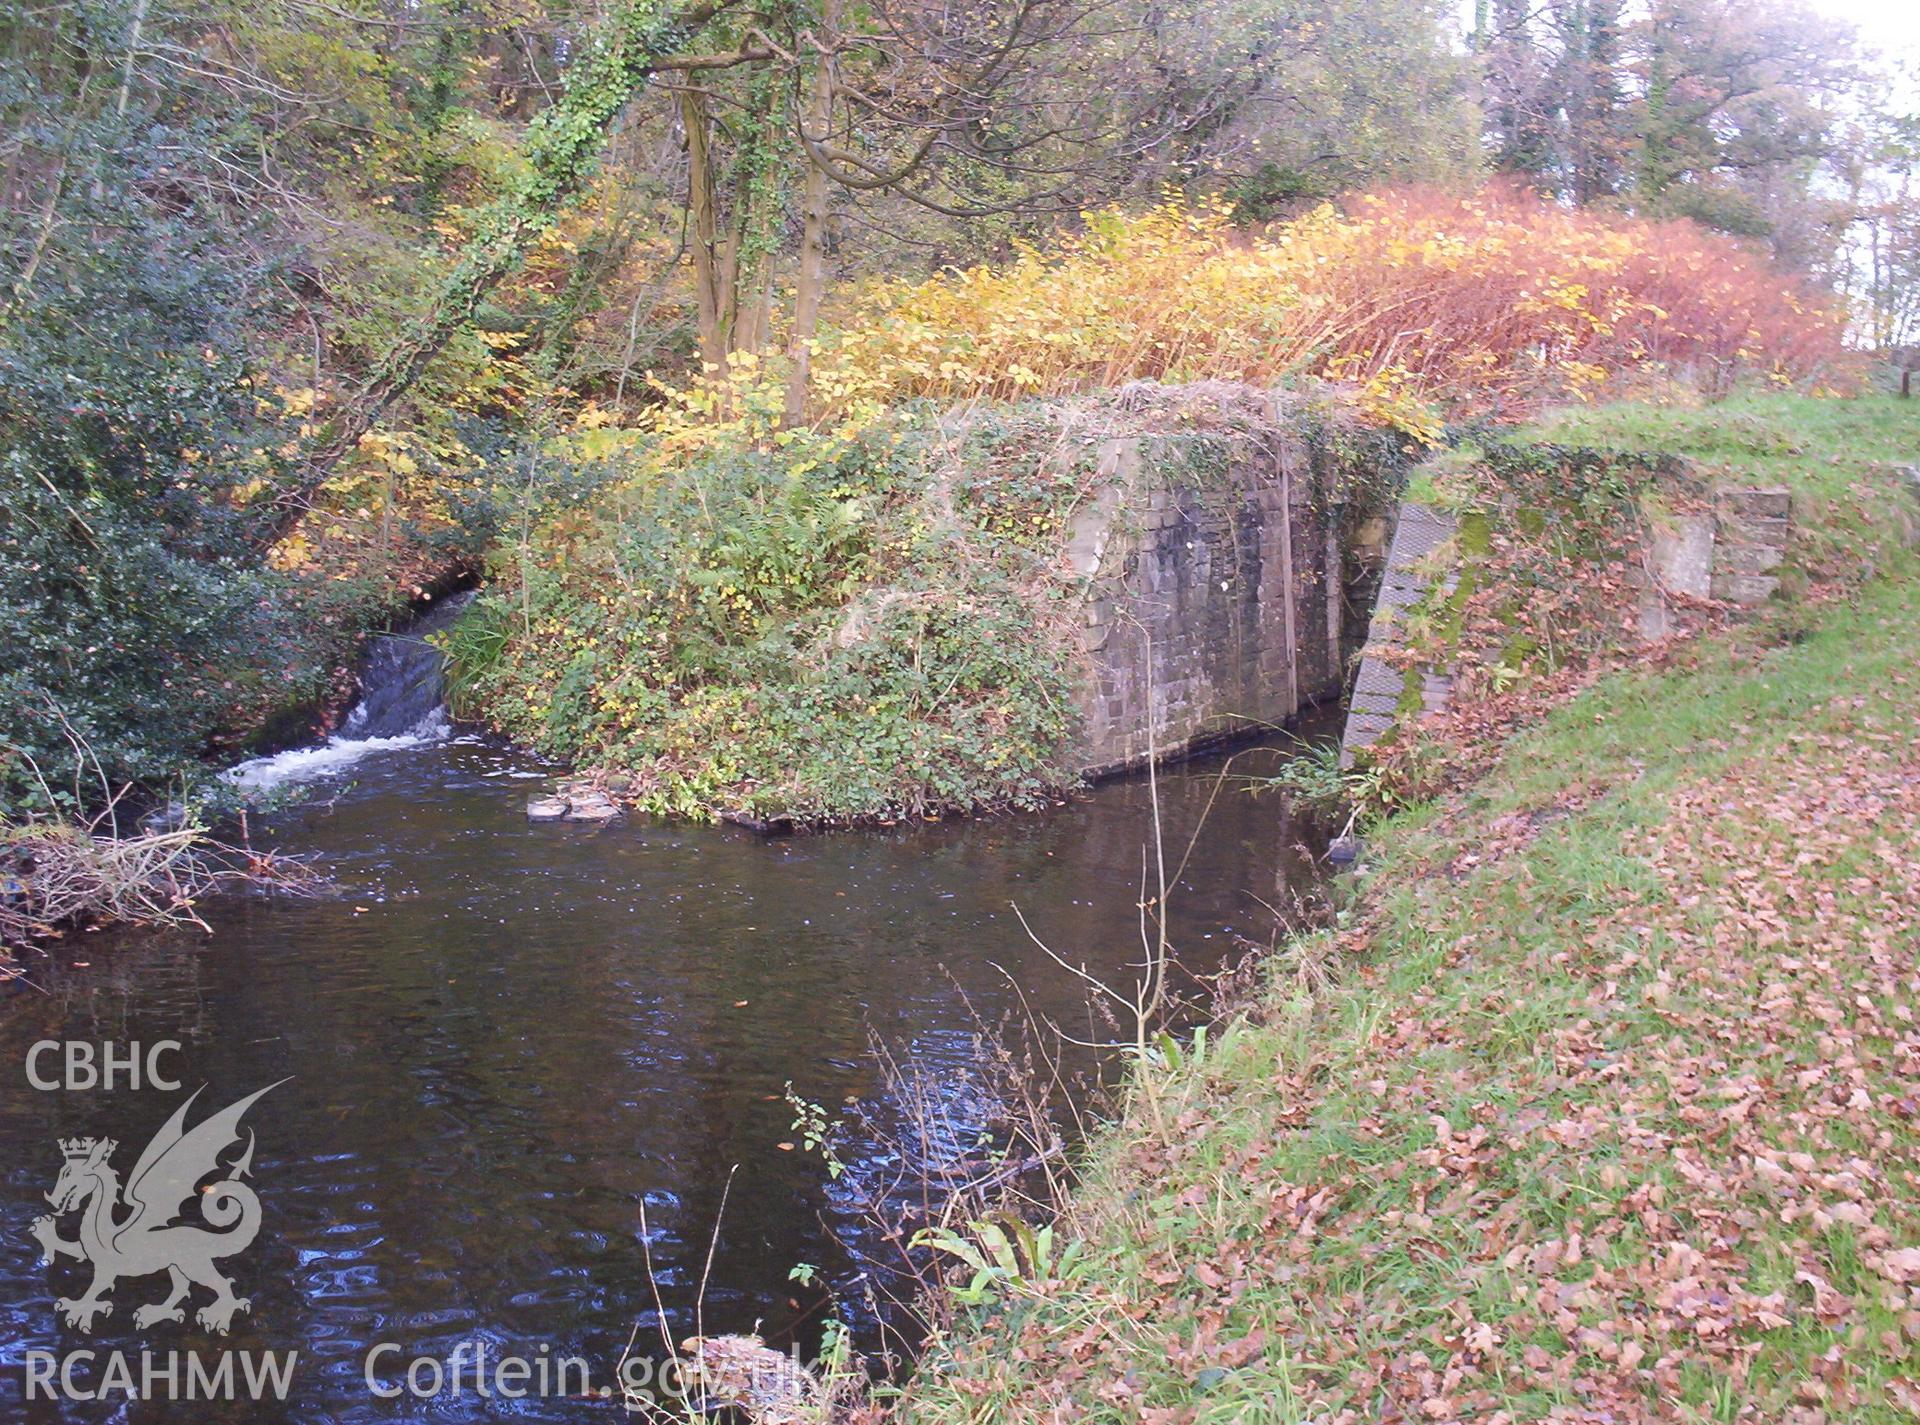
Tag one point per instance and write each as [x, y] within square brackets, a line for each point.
[756, 214]
[818, 124]
[753, 327]
[708, 280]
[1598, 172]
[622, 55]
[1655, 164]
[134, 32]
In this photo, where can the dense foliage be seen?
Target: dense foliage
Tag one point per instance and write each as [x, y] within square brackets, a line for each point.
[856, 618]
[1429, 305]
[156, 278]
[139, 618]
[429, 244]
[822, 632]
[1454, 300]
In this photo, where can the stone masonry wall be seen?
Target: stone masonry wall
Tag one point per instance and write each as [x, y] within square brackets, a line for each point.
[1210, 611]
[1727, 553]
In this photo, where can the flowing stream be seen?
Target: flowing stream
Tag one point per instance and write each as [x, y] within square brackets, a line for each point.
[535, 1075]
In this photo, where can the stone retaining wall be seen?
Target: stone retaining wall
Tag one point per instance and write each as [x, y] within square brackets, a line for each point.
[1213, 605]
[1380, 692]
[1728, 554]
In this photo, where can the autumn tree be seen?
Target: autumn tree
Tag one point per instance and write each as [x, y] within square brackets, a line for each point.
[1514, 89]
[1881, 259]
[1283, 104]
[951, 125]
[1592, 89]
[1726, 111]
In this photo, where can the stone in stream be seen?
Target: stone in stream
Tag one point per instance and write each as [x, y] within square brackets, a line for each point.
[161, 820]
[588, 800]
[743, 1372]
[547, 808]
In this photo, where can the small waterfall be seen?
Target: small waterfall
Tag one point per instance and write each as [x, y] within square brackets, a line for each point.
[402, 682]
[402, 704]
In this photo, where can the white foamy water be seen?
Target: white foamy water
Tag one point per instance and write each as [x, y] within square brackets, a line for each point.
[336, 754]
[401, 705]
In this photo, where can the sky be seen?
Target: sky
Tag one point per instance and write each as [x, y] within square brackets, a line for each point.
[1889, 25]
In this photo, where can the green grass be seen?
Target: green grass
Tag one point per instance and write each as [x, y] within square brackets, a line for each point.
[1641, 983]
[1832, 454]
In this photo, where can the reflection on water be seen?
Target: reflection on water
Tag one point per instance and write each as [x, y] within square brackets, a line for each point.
[508, 1043]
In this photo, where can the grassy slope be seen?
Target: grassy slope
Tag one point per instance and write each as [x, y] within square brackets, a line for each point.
[1607, 1110]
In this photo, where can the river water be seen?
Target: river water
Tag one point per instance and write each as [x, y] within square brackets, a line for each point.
[515, 1062]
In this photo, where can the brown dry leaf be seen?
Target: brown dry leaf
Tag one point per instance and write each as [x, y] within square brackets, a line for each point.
[1901, 1266]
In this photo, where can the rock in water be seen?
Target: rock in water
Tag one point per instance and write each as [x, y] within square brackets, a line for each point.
[160, 820]
[547, 808]
[764, 1385]
[593, 808]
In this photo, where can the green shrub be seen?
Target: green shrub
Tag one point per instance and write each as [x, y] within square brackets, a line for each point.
[138, 621]
[818, 632]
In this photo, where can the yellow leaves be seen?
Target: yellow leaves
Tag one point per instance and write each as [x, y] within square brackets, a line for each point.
[297, 403]
[1390, 397]
[599, 442]
[291, 554]
[1583, 377]
[1569, 296]
[390, 451]
[1419, 298]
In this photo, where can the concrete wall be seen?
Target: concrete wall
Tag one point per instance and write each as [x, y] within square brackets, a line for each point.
[1209, 610]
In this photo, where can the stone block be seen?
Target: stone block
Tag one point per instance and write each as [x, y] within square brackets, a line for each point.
[1748, 558]
[1744, 589]
[1769, 501]
[1682, 556]
[1655, 620]
[1376, 677]
[1754, 529]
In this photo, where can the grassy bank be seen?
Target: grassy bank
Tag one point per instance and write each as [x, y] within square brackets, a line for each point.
[1599, 1103]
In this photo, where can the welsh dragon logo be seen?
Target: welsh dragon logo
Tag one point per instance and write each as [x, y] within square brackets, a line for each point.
[141, 1235]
